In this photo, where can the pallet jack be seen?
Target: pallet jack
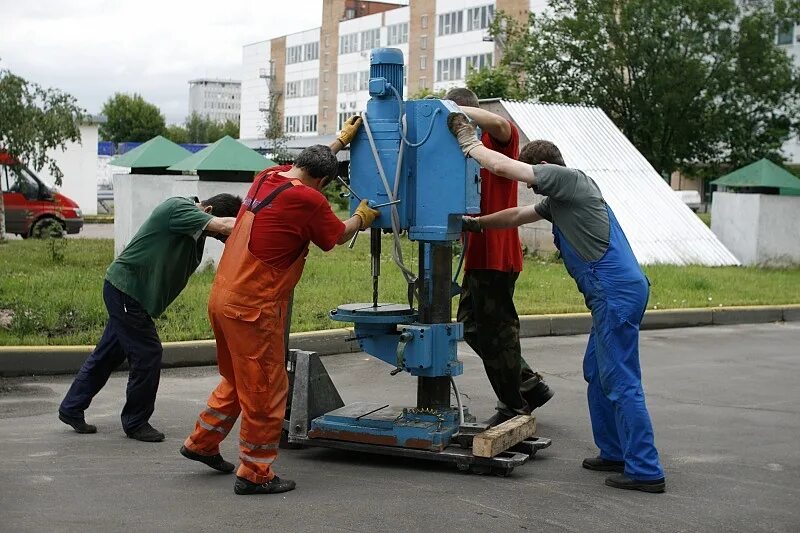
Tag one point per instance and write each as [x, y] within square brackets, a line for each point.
[433, 185]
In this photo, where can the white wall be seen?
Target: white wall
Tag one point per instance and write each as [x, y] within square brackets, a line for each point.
[457, 45]
[136, 195]
[303, 70]
[254, 89]
[759, 229]
[78, 162]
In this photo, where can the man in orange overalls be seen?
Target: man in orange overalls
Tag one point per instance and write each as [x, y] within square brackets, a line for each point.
[283, 212]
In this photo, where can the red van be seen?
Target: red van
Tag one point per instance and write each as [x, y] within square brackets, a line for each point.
[31, 205]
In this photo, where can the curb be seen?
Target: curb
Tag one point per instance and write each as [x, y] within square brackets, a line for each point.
[43, 360]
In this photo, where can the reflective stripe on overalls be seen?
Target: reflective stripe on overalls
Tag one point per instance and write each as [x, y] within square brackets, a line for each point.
[616, 292]
[246, 307]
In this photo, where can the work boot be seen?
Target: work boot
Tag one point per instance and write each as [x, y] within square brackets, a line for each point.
[78, 424]
[603, 465]
[273, 486]
[146, 433]
[536, 392]
[621, 481]
[214, 461]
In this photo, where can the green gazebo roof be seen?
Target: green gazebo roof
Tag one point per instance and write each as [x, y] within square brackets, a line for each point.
[225, 154]
[158, 152]
[763, 173]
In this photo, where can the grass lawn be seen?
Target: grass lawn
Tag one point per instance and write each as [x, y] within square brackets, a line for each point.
[62, 303]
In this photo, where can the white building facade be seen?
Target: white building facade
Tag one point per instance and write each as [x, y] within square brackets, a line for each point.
[322, 83]
[217, 99]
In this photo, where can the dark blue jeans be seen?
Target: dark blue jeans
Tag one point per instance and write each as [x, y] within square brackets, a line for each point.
[130, 334]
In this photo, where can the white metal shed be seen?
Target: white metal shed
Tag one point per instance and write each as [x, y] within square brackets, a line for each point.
[659, 226]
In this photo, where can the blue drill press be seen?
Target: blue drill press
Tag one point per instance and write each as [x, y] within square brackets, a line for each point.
[405, 160]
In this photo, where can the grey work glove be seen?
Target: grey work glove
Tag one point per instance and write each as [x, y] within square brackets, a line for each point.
[465, 133]
[471, 224]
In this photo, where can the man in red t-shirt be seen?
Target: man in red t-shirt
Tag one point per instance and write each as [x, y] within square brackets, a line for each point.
[493, 264]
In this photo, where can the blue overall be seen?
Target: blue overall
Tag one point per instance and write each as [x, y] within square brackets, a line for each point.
[616, 292]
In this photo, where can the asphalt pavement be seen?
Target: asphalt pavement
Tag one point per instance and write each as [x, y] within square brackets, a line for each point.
[724, 401]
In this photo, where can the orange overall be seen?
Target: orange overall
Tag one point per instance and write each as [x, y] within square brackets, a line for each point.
[247, 306]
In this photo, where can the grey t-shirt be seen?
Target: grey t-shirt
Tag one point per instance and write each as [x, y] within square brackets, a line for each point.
[575, 205]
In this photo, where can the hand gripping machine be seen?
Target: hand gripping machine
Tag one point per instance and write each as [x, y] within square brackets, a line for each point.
[405, 160]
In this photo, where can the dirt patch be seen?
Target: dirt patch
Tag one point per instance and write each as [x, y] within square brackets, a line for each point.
[6, 318]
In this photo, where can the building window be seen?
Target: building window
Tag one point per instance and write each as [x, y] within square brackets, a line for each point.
[311, 87]
[348, 43]
[448, 69]
[311, 51]
[294, 54]
[363, 80]
[423, 42]
[450, 23]
[370, 39]
[348, 82]
[478, 62]
[422, 83]
[350, 13]
[479, 18]
[786, 33]
[344, 116]
[423, 62]
[423, 22]
[309, 123]
[397, 34]
[293, 89]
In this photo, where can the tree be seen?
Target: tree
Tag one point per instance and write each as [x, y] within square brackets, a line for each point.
[131, 118]
[424, 92]
[690, 82]
[33, 121]
[494, 82]
[177, 134]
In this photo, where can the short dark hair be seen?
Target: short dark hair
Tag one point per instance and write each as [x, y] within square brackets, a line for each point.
[223, 205]
[318, 161]
[540, 150]
[462, 96]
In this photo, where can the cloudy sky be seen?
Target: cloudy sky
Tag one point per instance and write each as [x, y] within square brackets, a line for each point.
[93, 48]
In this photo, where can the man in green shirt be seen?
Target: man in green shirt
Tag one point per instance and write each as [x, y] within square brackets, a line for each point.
[146, 277]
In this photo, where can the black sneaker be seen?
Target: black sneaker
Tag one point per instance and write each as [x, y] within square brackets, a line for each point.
[273, 486]
[214, 461]
[603, 465]
[146, 433]
[78, 424]
[621, 481]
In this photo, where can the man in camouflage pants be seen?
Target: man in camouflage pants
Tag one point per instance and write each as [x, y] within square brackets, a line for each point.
[493, 264]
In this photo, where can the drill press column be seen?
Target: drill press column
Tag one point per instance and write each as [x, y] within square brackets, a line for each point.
[435, 270]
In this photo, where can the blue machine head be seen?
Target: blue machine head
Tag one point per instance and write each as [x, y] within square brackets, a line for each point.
[405, 151]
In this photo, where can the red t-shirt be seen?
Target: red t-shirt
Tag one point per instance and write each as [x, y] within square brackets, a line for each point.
[297, 216]
[496, 249]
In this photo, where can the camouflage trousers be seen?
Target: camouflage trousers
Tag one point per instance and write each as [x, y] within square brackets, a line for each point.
[491, 328]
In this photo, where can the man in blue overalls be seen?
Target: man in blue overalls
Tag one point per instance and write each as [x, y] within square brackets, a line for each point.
[597, 255]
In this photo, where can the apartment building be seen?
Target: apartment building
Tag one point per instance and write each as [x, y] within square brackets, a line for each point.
[314, 80]
[789, 39]
[214, 98]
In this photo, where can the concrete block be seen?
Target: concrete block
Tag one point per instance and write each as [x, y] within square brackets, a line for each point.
[189, 353]
[324, 342]
[534, 326]
[41, 360]
[677, 318]
[791, 313]
[570, 324]
[747, 315]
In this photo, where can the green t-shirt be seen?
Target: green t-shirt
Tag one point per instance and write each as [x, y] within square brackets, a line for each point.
[155, 266]
[575, 205]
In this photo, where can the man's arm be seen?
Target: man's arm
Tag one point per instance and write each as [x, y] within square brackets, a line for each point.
[507, 218]
[494, 125]
[495, 162]
[223, 225]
